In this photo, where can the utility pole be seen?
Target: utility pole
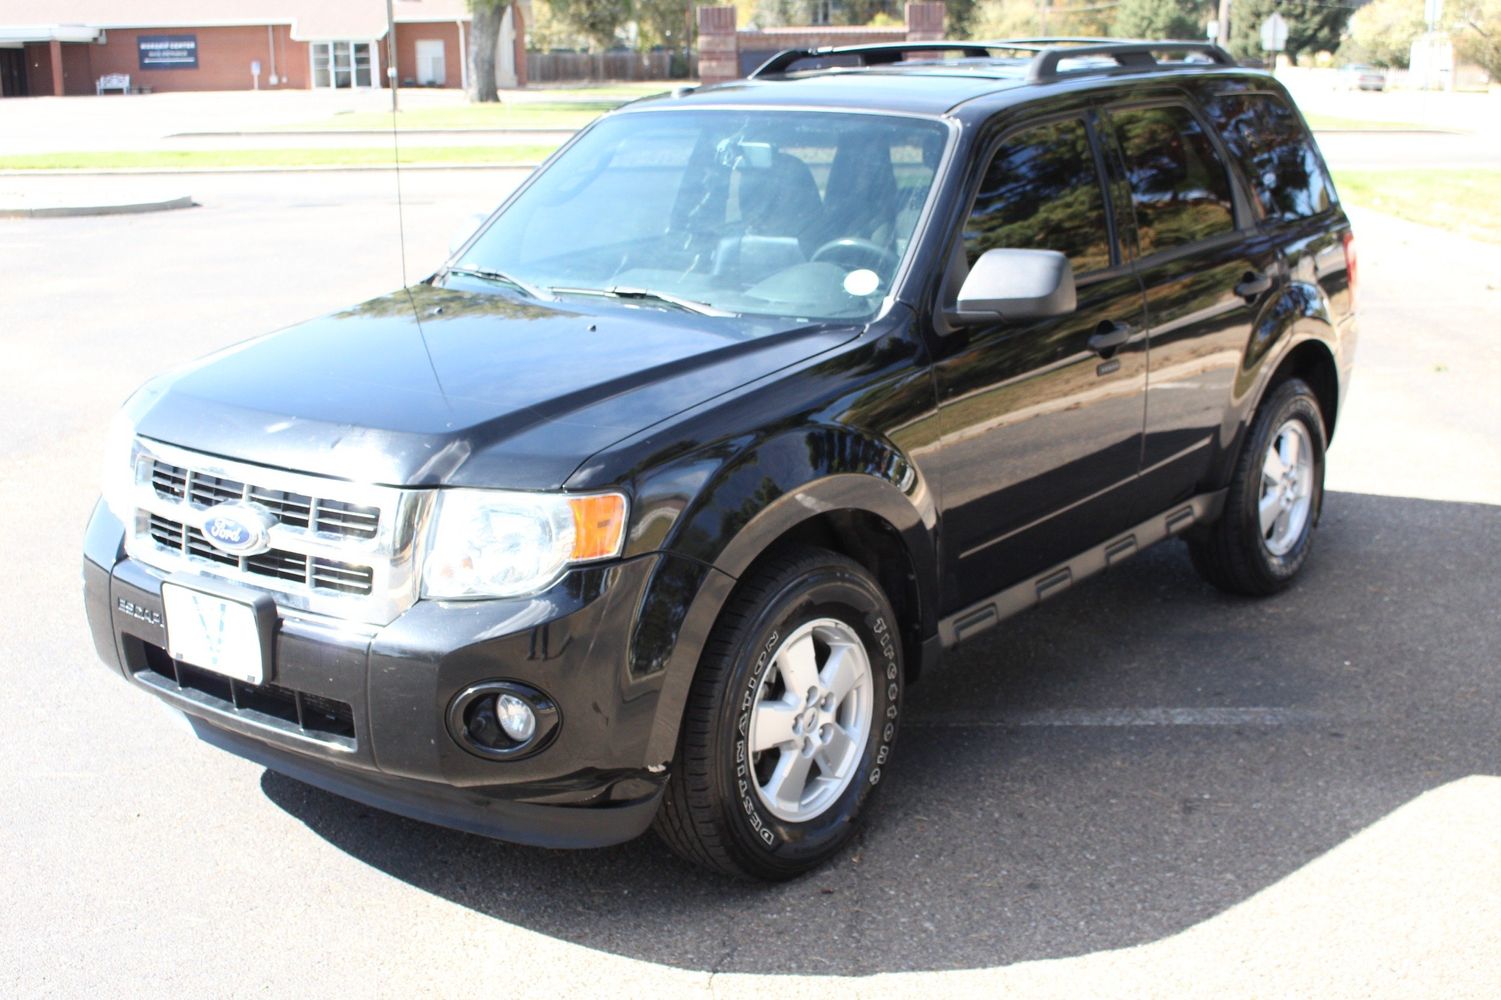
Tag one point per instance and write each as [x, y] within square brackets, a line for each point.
[1222, 38]
[391, 53]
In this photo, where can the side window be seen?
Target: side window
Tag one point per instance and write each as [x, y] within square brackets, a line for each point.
[1042, 192]
[1264, 134]
[1179, 186]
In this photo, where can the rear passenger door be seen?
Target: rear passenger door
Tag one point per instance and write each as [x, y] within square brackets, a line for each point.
[1041, 430]
[1206, 272]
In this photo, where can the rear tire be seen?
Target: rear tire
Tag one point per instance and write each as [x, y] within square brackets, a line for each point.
[790, 721]
[1264, 535]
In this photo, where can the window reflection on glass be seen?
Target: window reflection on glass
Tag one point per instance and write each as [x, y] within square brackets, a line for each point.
[1042, 192]
[1266, 135]
[1179, 186]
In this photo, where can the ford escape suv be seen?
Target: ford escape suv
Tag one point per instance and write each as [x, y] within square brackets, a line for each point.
[648, 505]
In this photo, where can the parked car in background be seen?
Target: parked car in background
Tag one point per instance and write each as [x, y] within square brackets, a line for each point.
[1360, 77]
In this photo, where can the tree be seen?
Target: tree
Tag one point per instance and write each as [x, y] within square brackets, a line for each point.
[672, 23]
[1312, 26]
[1160, 19]
[484, 30]
[596, 20]
[992, 19]
[1382, 33]
[1477, 37]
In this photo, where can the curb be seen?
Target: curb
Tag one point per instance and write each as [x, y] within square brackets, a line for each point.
[63, 211]
[311, 169]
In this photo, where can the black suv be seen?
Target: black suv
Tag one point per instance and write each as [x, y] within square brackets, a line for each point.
[649, 504]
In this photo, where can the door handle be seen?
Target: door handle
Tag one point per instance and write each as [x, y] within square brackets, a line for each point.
[1108, 336]
[1252, 284]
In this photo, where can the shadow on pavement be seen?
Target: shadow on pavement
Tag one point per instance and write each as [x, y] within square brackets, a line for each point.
[1043, 805]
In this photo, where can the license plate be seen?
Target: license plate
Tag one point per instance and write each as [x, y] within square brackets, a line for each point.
[213, 633]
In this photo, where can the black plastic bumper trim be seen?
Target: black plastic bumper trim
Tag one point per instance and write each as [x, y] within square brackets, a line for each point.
[467, 810]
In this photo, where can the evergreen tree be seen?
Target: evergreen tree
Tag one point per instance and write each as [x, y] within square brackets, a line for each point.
[1312, 26]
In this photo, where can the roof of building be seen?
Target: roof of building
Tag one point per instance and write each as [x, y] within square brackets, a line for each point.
[309, 19]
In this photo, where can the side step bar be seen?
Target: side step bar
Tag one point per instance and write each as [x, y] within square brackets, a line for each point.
[995, 609]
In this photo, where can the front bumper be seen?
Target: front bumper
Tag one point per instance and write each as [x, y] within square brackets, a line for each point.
[360, 710]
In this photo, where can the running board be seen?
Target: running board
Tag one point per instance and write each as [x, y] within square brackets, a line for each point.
[976, 618]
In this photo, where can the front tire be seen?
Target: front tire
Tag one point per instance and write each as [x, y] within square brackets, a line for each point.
[1265, 533]
[790, 721]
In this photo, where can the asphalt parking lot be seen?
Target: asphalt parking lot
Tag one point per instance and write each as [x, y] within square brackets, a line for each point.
[1143, 788]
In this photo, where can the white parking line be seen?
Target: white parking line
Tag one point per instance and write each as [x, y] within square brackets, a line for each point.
[1252, 716]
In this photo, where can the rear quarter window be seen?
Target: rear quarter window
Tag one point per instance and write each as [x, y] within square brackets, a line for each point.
[1269, 139]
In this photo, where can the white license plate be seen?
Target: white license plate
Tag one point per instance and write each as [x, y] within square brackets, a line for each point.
[213, 633]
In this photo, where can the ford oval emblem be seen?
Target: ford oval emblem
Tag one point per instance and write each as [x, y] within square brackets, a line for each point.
[240, 529]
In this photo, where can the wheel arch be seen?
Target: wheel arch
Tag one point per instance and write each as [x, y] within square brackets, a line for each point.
[861, 498]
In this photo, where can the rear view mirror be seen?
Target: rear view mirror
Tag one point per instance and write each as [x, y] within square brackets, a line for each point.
[1017, 284]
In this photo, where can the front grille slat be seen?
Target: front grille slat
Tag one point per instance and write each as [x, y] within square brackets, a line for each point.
[279, 564]
[295, 510]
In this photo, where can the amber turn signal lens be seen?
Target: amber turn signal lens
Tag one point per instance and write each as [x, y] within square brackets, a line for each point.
[598, 526]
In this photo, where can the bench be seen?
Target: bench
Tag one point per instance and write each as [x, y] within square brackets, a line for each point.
[113, 81]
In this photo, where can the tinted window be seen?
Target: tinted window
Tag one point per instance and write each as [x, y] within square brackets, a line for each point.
[1264, 133]
[1042, 192]
[1178, 183]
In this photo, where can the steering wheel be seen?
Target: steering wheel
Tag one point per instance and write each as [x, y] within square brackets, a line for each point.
[854, 252]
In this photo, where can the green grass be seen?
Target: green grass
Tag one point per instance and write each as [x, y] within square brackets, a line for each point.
[570, 108]
[191, 159]
[1328, 122]
[1463, 201]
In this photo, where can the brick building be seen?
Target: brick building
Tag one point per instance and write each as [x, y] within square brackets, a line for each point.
[58, 47]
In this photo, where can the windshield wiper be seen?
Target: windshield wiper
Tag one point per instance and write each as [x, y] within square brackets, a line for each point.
[501, 276]
[647, 295]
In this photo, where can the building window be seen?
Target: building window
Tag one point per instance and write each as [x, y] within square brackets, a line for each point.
[342, 65]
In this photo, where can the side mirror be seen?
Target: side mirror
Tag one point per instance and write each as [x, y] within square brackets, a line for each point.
[1017, 284]
[466, 229]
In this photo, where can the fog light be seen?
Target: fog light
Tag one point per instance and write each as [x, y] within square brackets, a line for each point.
[516, 717]
[503, 720]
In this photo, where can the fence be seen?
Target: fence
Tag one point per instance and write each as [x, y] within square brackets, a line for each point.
[573, 67]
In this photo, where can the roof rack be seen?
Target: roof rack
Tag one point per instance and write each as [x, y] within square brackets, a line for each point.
[1046, 53]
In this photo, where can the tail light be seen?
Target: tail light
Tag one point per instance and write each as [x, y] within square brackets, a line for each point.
[1350, 270]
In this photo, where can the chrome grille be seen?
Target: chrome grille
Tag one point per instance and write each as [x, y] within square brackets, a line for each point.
[296, 510]
[342, 549]
[321, 574]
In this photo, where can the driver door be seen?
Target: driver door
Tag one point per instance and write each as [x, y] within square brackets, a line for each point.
[1041, 428]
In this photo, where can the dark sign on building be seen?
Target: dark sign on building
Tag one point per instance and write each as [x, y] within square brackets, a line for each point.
[168, 51]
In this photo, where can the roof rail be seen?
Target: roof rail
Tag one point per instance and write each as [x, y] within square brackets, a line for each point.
[1046, 54]
[879, 54]
[1127, 55]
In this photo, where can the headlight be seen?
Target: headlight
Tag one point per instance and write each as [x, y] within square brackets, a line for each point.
[118, 475]
[491, 543]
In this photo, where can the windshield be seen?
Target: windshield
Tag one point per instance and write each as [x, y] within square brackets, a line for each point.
[795, 214]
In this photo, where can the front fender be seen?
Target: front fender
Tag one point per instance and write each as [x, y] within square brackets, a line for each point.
[741, 502]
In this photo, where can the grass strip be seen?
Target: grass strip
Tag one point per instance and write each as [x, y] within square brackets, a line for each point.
[1465, 201]
[1319, 122]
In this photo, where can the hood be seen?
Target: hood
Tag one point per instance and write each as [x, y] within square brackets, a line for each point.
[436, 386]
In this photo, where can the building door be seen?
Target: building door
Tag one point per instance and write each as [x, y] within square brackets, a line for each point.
[13, 73]
[431, 68]
[342, 65]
